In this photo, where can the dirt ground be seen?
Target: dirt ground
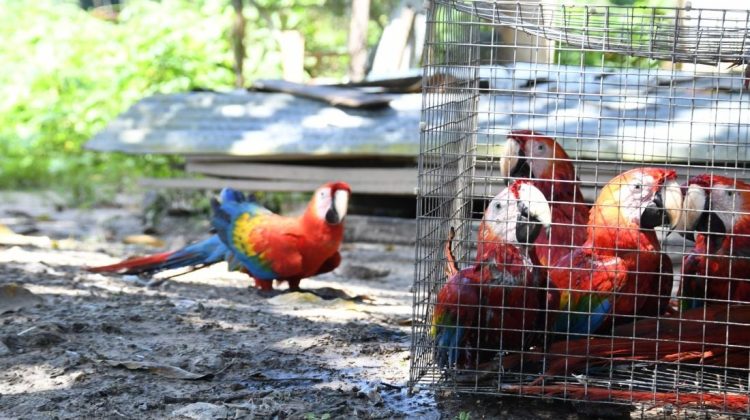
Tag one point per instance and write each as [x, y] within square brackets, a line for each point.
[203, 345]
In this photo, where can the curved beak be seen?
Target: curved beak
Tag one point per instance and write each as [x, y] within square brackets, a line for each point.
[339, 207]
[699, 217]
[534, 214]
[693, 208]
[665, 208]
[513, 163]
[672, 195]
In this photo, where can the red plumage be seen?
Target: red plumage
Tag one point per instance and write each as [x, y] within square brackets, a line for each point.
[493, 305]
[710, 336]
[717, 270]
[620, 272]
[264, 245]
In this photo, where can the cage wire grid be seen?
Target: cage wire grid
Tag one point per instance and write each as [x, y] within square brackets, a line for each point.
[618, 88]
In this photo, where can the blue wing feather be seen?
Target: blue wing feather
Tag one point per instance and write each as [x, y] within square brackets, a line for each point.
[225, 214]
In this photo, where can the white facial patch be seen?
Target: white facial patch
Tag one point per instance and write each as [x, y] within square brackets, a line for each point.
[725, 203]
[322, 202]
[501, 216]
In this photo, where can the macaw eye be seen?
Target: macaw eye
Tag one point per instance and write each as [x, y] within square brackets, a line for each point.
[498, 206]
[638, 187]
[730, 193]
[540, 147]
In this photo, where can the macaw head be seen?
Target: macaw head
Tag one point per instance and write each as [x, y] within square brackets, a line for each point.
[715, 206]
[330, 202]
[530, 155]
[516, 215]
[636, 200]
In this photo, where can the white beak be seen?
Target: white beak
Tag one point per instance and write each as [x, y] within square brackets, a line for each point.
[509, 159]
[693, 206]
[536, 203]
[672, 195]
[341, 203]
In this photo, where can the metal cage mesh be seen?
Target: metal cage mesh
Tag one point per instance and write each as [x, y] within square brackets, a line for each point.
[617, 88]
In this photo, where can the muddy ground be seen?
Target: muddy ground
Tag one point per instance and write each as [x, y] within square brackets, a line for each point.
[203, 345]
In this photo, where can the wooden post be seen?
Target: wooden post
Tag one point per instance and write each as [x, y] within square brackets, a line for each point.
[360, 18]
[292, 56]
[393, 43]
[238, 43]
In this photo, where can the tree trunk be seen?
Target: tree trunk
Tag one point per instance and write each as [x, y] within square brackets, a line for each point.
[238, 43]
[358, 39]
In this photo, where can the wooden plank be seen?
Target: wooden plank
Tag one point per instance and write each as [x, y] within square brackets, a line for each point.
[210, 183]
[403, 84]
[353, 159]
[337, 96]
[397, 177]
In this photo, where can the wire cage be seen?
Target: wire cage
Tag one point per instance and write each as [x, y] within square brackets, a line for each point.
[631, 127]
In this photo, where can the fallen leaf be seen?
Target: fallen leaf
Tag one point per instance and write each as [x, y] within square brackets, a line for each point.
[5, 230]
[13, 239]
[202, 410]
[167, 371]
[14, 297]
[296, 298]
[147, 240]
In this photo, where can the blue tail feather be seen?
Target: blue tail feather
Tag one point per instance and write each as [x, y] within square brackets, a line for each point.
[448, 343]
[206, 252]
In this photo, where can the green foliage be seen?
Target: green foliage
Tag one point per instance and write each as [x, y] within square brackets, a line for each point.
[324, 24]
[625, 20]
[67, 73]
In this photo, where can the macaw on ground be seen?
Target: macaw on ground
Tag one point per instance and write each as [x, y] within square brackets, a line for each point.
[260, 243]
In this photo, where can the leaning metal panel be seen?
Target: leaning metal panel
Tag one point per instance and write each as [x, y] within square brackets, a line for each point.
[665, 321]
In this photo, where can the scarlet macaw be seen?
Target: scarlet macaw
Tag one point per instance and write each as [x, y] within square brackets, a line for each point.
[485, 308]
[530, 155]
[620, 271]
[260, 243]
[717, 209]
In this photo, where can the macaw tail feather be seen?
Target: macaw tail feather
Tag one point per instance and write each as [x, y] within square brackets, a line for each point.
[206, 252]
[447, 346]
[723, 401]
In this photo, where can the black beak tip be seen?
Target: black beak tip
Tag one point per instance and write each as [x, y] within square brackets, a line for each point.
[332, 217]
[522, 169]
[652, 216]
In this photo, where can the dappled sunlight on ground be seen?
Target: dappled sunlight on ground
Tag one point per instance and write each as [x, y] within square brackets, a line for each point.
[292, 355]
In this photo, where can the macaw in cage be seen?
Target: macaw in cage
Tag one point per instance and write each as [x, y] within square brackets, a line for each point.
[620, 273]
[492, 304]
[530, 155]
[717, 270]
[260, 243]
[618, 256]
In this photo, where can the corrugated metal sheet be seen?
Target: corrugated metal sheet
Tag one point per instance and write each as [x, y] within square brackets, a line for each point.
[261, 125]
[688, 119]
